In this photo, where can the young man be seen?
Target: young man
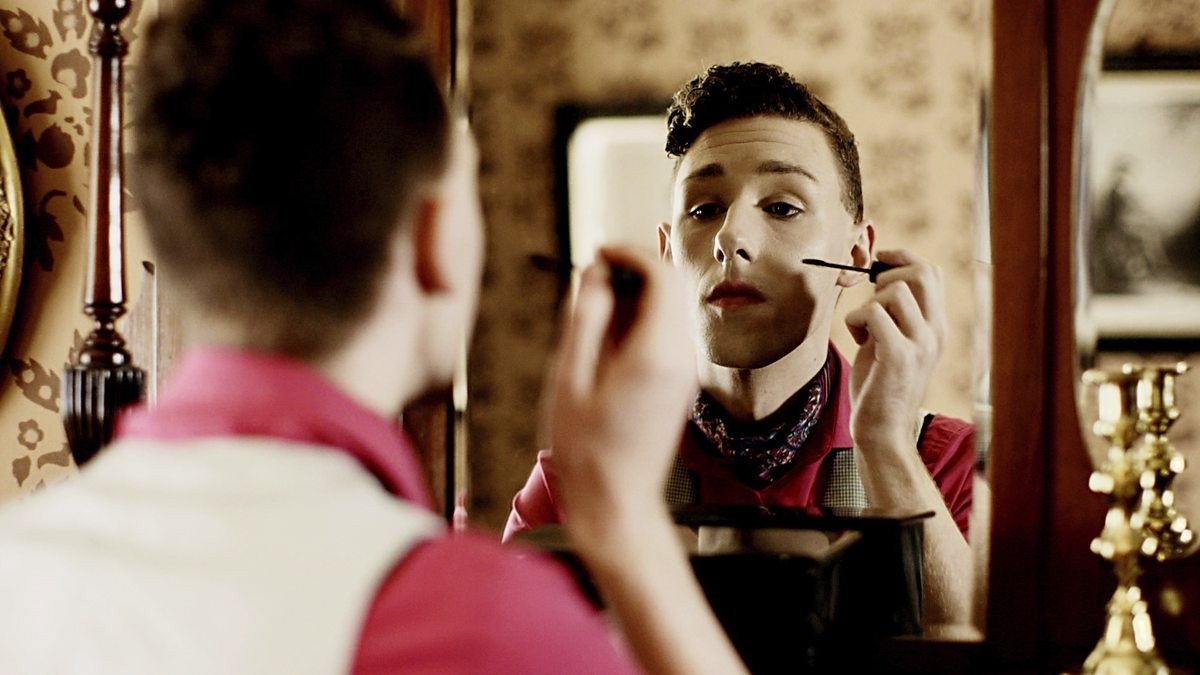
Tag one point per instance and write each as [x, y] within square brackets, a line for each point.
[767, 175]
[319, 222]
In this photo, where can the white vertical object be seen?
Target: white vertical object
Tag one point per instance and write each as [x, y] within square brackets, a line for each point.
[619, 183]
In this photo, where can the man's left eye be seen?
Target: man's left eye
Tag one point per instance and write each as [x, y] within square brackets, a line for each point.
[781, 209]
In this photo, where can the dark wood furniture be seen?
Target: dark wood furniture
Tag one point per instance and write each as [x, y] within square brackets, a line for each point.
[103, 378]
[432, 422]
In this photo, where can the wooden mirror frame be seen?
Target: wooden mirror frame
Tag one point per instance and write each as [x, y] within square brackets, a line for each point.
[432, 422]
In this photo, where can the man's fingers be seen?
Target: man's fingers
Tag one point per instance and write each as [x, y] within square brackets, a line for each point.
[924, 281]
[856, 322]
[900, 304]
[872, 320]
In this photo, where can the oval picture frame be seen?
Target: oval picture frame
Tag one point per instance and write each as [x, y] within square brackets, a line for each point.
[12, 233]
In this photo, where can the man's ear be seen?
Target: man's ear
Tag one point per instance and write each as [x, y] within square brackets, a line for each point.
[862, 252]
[664, 242]
[431, 247]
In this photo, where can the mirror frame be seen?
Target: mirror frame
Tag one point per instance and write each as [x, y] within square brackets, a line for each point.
[1043, 515]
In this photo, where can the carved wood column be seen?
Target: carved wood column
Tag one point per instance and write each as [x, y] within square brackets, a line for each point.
[103, 379]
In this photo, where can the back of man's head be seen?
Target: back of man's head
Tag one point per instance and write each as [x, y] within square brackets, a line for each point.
[741, 90]
[280, 145]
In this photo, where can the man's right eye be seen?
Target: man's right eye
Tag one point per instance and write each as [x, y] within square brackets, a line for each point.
[705, 211]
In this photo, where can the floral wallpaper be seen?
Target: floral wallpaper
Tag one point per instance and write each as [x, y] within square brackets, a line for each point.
[45, 94]
[1154, 25]
[906, 76]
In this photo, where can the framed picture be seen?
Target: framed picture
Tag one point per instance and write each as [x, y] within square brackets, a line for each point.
[1143, 238]
[614, 178]
[12, 232]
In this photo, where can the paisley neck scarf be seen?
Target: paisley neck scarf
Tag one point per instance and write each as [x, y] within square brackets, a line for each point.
[759, 452]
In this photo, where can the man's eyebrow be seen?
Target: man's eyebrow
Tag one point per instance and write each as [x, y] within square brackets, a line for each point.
[775, 166]
[712, 170]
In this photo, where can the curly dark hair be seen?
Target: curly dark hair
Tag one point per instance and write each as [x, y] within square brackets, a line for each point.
[280, 144]
[739, 90]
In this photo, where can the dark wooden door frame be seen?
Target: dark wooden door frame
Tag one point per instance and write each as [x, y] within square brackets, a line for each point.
[431, 421]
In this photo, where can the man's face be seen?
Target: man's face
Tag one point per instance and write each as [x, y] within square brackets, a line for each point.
[753, 197]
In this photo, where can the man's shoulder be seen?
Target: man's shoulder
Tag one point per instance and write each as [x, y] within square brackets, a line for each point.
[941, 433]
[479, 559]
[501, 604]
[947, 443]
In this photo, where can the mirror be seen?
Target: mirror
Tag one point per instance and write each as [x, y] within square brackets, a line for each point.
[1138, 206]
[907, 77]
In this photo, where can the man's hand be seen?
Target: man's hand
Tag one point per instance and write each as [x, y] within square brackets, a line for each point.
[619, 399]
[901, 332]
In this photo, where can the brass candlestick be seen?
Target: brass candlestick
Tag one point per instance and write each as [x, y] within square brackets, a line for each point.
[1167, 532]
[1137, 401]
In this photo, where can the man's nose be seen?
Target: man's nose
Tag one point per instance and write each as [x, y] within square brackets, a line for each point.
[736, 237]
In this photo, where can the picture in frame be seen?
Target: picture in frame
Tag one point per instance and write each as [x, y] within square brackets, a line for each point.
[1144, 199]
[614, 178]
[12, 232]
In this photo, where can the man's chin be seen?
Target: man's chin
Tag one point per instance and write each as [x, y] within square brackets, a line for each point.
[741, 360]
[744, 353]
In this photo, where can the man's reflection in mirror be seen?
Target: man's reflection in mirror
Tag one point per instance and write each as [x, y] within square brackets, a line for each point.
[767, 175]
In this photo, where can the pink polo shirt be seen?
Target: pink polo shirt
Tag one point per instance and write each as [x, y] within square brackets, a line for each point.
[947, 447]
[454, 604]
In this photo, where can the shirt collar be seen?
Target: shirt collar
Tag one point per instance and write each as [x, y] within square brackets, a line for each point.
[230, 392]
[839, 433]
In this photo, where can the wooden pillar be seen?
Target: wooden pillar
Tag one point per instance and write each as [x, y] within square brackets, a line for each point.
[103, 379]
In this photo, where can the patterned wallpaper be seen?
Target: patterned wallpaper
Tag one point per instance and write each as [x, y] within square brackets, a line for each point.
[1154, 25]
[46, 99]
[906, 76]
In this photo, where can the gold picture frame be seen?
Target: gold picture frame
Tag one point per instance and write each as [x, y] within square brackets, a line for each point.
[12, 233]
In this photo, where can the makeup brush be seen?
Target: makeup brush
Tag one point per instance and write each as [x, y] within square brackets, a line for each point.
[626, 284]
[873, 271]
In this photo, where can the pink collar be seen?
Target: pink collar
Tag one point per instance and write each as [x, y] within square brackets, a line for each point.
[802, 485]
[230, 392]
[839, 434]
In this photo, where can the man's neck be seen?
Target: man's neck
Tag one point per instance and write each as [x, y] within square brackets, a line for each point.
[750, 394]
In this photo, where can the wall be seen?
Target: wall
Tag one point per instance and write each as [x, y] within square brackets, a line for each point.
[1154, 25]
[906, 76]
[46, 97]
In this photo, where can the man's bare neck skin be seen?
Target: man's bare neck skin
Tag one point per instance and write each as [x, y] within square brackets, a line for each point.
[754, 393]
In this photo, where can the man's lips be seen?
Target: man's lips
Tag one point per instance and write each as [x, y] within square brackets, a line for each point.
[731, 294]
